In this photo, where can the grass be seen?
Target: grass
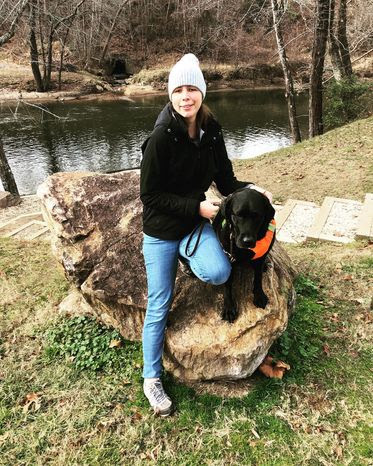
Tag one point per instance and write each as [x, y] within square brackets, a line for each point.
[339, 164]
[56, 411]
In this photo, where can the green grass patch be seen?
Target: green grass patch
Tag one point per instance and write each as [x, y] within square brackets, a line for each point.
[89, 345]
[304, 336]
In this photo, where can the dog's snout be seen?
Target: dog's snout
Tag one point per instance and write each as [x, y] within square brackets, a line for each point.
[248, 241]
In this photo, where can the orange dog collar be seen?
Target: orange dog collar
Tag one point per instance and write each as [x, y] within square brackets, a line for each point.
[262, 246]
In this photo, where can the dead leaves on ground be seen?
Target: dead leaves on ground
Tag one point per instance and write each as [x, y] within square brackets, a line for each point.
[115, 344]
[32, 402]
[273, 369]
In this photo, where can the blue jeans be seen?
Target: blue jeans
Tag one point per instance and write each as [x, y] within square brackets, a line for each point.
[209, 263]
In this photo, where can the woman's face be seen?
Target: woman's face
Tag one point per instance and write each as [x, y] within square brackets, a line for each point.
[187, 100]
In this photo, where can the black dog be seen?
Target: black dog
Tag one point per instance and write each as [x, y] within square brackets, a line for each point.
[246, 230]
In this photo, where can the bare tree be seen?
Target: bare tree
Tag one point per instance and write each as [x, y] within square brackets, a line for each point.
[334, 51]
[12, 28]
[342, 38]
[6, 174]
[49, 21]
[278, 10]
[338, 44]
[111, 31]
[34, 53]
[315, 104]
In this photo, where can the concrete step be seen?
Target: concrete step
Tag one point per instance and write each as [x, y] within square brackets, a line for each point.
[27, 226]
[365, 220]
[294, 219]
[337, 220]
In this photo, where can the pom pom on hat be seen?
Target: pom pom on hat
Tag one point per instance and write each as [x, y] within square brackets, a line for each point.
[186, 72]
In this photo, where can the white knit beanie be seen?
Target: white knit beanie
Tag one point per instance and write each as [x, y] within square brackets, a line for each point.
[186, 72]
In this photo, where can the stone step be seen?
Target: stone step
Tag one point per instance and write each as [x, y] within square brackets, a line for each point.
[27, 226]
[294, 219]
[337, 220]
[365, 220]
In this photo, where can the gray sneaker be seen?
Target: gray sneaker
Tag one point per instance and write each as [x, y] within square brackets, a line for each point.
[157, 397]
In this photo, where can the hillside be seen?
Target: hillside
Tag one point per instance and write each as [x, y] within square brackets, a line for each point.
[338, 163]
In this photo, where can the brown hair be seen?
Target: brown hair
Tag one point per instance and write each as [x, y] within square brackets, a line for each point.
[203, 115]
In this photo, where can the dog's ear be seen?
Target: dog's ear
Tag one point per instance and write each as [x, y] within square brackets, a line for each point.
[268, 216]
[225, 206]
[270, 212]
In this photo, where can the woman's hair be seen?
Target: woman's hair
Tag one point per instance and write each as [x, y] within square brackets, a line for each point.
[203, 115]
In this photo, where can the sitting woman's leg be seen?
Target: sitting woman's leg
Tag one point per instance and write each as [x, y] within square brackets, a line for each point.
[161, 264]
[209, 262]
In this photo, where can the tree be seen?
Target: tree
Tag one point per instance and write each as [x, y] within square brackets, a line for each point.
[342, 38]
[12, 28]
[112, 27]
[49, 22]
[334, 51]
[315, 104]
[6, 175]
[338, 44]
[34, 53]
[278, 11]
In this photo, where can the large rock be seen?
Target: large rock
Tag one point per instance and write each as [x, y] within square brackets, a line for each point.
[95, 222]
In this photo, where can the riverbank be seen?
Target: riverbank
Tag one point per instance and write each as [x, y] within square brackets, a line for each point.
[16, 82]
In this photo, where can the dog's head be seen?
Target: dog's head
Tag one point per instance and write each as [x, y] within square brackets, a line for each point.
[248, 212]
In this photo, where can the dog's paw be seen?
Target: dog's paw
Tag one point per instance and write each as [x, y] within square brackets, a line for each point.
[260, 300]
[230, 313]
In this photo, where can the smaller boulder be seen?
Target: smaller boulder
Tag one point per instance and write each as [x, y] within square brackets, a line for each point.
[8, 199]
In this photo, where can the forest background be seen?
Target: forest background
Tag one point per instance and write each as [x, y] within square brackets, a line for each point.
[93, 35]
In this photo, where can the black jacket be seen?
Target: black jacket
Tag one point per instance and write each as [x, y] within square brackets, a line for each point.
[176, 172]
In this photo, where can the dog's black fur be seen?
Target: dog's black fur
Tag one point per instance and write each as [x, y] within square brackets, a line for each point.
[247, 214]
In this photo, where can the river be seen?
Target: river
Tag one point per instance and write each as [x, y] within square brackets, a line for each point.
[107, 135]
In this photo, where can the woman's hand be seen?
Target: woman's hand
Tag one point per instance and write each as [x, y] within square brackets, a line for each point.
[267, 194]
[208, 209]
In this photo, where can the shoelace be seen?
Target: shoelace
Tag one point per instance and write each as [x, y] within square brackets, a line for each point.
[157, 391]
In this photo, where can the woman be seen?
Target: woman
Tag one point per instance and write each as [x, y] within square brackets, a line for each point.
[183, 155]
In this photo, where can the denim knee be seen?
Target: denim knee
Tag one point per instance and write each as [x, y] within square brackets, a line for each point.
[219, 275]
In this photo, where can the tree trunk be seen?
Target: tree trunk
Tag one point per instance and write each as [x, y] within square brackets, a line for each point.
[47, 77]
[34, 54]
[342, 38]
[6, 174]
[62, 52]
[289, 86]
[113, 24]
[315, 108]
[334, 53]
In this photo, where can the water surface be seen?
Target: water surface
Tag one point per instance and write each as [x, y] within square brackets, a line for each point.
[106, 136]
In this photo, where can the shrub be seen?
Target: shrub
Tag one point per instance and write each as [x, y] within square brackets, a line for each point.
[346, 101]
